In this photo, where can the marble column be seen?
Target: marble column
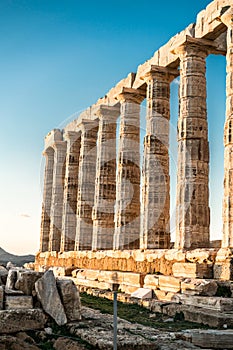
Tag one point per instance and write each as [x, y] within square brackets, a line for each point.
[105, 185]
[193, 213]
[70, 190]
[57, 196]
[127, 209]
[86, 185]
[47, 199]
[155, 225]
[227, 239]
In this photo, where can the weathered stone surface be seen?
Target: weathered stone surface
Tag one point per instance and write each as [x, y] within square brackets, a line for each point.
[68, 344]
[26, 281]
[142, 293]
[151, 281]
[3, 275]
[86, 185]
[214, 303]
[127, 217]
[70, 299]
[215, 339]
[199, 287]
[192, 270]
[18, 302]
[12, 321]
[1, 297]
[169, 284]
[11, 279]
[14, 343]
[47, 294]
[56, 198]
[73, 139]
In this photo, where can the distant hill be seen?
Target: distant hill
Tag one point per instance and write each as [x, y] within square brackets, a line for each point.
[18, 260]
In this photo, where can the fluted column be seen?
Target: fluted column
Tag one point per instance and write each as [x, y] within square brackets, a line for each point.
[86, 185]
[127, 209]
[193, 213]
[57, 196]
[227, 239]
[155, 225]
[105, 185]
[70, 190]
[47, 199]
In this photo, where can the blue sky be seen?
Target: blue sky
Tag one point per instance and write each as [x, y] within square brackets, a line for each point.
[57, 58]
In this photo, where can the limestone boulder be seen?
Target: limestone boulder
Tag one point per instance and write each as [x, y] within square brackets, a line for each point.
[214, 339]
[3, 275]
[18, 302]
[1, 297]
[47, 293]
[199, 287]
[11, 279]
[26, 281]
[70, 298]
[14, 343]
[68, 344]
[12, 321]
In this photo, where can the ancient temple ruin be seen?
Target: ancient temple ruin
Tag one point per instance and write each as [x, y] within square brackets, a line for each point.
[93, 214]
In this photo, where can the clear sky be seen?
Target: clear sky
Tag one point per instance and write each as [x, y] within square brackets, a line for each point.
[57, 58]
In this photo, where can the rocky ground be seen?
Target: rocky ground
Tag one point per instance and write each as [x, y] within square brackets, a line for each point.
[95, 331]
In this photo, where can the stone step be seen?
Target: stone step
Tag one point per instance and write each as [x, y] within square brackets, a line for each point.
[215, 319]
[215, 339]
[214, 303]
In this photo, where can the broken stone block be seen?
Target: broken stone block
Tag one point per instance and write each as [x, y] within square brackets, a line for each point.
[3, 275]
[26, 281]
[18, 302]
[48, 295]
[11, 279]
[169, 284]
[70, 299]
[214, 303]
[1, 297]
[12, 321]
[192, 270]
[69, 344]
[151, 281]
[13, 342]
[162, 295]
[215, 339]
[199, 287]
[142, 293]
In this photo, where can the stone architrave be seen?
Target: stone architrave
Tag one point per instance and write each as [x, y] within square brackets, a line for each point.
[70, 190]
[155, 225]
[192, 206]
[47, 199]
[105, 184]
[86, 185]
[227, 239]
[127, 209]
[57, 196]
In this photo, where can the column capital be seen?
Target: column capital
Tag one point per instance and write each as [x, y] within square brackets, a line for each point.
[200, 46]
[48, 152]
[161, 73]
[108, 112]
[72, 135]
[131, 95]
[227, 18]
[59, 145]
[88, 124]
